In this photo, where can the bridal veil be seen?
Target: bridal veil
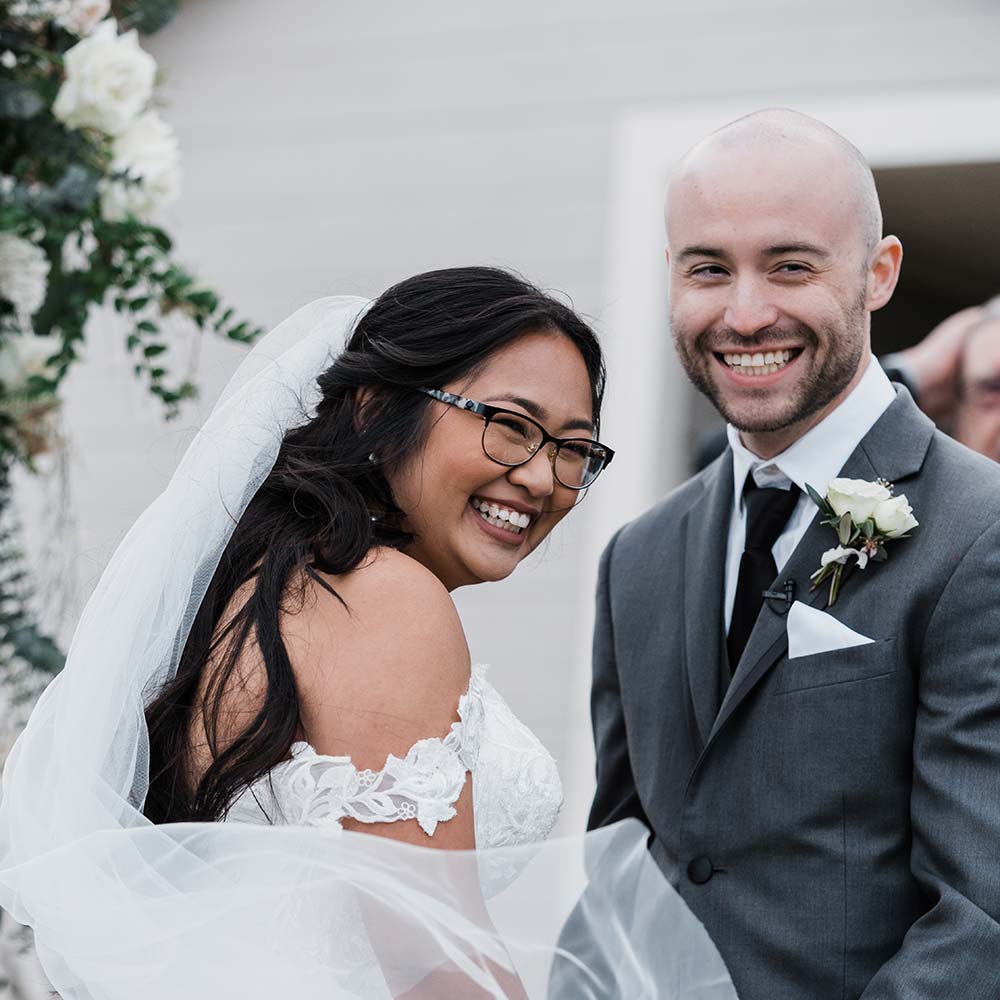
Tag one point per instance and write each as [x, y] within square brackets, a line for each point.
[123, 908]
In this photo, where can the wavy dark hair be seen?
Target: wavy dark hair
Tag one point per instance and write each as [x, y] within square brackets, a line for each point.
[324, 505]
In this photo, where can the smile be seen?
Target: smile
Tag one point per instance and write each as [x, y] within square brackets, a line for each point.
[501, 517]
[759, 363]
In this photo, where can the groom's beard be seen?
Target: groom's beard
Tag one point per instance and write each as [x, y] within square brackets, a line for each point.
[813, 389]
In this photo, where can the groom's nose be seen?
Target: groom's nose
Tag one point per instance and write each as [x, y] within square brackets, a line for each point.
[749, 308]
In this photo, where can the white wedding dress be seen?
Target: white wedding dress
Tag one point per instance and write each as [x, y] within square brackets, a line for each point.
[279, 900]
[517, 795]
[517, 792]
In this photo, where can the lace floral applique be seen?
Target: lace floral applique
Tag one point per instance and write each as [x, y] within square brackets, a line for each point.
[318, 789]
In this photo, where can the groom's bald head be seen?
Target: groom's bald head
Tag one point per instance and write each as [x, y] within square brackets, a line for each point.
[777, 141]
[776, 261]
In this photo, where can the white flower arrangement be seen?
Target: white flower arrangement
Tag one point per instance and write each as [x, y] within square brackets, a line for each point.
[865, 515]
[86, 168]
[109, 80]
[148, 160]
[24, 272]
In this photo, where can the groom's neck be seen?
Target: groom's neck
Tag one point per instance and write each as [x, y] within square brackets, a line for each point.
[768, 444]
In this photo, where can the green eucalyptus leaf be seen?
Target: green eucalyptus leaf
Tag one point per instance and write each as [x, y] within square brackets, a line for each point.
[845, 528]
[77, 187]
[19, 100]
[816, 498]
[148, 16]
[153, 350]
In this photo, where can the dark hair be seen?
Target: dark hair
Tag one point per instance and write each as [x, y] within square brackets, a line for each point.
[324, 505]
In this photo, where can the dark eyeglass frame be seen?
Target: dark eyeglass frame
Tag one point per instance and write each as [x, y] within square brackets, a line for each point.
[488, 412]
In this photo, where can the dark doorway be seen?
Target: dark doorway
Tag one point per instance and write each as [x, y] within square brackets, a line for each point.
[948, 218]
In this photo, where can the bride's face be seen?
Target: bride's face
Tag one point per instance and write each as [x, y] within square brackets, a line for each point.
[442, 488]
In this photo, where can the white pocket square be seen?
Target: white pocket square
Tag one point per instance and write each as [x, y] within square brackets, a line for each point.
[813, 631]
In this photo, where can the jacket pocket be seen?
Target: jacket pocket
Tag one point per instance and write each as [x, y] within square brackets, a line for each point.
[839, 666]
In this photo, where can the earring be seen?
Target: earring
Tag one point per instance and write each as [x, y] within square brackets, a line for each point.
[372, 460]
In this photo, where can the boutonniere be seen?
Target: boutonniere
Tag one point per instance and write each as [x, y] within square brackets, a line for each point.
[865, 516]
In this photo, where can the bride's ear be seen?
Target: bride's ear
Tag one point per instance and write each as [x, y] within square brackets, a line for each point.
[364, 395]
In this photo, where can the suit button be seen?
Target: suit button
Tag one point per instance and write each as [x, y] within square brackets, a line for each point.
[700, 870]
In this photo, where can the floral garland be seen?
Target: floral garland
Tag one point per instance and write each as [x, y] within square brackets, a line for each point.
[86, 166]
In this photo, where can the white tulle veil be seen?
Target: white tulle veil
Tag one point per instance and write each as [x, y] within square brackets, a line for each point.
[124, 909]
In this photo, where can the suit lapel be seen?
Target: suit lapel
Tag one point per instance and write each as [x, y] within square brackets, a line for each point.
[893, 449]
[706, 535]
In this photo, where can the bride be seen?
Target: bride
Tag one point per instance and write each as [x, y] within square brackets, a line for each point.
[272, 670]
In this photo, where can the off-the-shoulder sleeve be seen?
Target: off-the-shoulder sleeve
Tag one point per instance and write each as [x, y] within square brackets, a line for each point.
[316, 789]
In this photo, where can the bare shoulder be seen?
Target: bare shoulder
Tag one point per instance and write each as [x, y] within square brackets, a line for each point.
[380, 665]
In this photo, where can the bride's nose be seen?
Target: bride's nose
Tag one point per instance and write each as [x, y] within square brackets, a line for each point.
[536, 475]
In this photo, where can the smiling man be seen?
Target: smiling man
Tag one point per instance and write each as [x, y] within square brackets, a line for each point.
[820, 779]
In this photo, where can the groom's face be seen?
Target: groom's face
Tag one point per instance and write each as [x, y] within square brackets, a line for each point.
[768, 283]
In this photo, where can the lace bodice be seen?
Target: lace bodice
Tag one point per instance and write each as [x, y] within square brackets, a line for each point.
[517, 792]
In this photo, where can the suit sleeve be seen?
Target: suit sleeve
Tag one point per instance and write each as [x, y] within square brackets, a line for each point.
[616, 796]
[953, 950]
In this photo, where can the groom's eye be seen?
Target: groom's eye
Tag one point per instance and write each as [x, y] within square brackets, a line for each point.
[709, 271]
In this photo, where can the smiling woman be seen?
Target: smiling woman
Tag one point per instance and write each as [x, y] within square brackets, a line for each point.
[275, 645]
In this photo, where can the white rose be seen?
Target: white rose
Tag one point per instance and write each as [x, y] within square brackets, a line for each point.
[894, 517]
[24, 356]
[33, 14]
[24, 273]
[856, 496]
[108, 81]
[77, 248]
[82, 16]
[147, 151]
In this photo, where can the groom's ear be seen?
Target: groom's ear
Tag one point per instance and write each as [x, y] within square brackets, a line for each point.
[884, 265]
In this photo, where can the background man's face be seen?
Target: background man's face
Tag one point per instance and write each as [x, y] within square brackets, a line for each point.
[767, 283]
[977, 414]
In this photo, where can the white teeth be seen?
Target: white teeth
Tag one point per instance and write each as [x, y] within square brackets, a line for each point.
[760, 363]
[501, 517]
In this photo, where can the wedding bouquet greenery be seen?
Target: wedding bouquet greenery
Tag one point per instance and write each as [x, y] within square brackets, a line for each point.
[86, 165]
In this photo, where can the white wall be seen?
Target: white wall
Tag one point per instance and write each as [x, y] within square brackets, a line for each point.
[336, 148]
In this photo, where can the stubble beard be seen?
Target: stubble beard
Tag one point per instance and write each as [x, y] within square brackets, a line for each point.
[814, 391]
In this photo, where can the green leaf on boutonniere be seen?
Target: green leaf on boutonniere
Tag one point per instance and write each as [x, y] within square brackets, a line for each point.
[818, 500]
[880, 555]
[868, 528]
[845, 528]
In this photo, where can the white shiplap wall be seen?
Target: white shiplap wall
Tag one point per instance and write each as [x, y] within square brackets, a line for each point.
[334, 148]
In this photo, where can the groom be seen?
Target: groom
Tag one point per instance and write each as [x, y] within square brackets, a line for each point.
[822, 783]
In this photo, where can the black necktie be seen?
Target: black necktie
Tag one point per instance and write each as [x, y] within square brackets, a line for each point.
[768, 511]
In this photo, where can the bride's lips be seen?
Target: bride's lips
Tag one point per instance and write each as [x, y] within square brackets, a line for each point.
[500, 534]
[514, 539]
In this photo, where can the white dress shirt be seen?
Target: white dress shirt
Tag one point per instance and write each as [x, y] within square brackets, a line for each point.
[816, 458]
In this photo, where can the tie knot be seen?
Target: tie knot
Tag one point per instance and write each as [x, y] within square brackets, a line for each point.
[768, 510]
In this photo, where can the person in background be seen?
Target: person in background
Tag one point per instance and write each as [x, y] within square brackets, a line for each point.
[954, 374]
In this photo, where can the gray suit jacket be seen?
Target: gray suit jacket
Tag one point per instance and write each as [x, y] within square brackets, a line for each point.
[836, 823]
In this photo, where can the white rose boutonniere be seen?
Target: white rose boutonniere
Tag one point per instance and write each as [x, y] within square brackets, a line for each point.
[865, 516]
[108, 81]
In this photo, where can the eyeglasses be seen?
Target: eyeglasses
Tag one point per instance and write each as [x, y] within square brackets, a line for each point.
[512, 439]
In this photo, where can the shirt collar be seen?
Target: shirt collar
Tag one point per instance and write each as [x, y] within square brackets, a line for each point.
[820, 454]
